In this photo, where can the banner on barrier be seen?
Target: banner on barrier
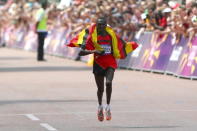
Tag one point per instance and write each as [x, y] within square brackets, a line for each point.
[188, 63]
[144, 43]
[55, 44]
[176, 55]
[156, 56]
[30, 41]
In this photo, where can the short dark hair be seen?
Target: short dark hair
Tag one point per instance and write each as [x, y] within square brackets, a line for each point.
[101, 20]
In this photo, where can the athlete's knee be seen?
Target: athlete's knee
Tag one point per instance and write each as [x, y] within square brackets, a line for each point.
[108, 84]
[100, 90]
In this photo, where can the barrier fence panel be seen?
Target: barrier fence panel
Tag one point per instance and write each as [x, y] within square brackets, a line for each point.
[8, 38]
[151, 59]
[55, 42]
[30, 41]
[188, 62]
[162, 53]
[135, 55]
[138, 55]
[124, 63]
[132, 60]
[176, 55]
[18, 38]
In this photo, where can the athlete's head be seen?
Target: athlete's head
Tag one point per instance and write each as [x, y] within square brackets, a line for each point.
[101, 23]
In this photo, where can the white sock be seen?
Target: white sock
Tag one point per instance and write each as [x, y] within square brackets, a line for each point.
[100, 107]
[107, 107]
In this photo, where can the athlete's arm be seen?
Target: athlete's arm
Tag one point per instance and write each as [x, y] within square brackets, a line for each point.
[84, 52]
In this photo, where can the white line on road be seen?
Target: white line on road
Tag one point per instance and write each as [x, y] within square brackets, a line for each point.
[32, 117]
[48, 127]
[121, 111]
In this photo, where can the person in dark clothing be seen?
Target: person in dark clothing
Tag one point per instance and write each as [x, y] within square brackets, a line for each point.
[41, 26]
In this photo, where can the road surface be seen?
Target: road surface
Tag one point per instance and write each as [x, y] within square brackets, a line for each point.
[60, 95]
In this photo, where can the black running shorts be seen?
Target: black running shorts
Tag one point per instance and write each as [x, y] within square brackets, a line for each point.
[98, 70]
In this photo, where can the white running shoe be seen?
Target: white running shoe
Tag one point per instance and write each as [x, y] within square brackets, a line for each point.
[108, 112]
[100, 113]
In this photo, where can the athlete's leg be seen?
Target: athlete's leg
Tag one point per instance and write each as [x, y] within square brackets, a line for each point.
[109, 78]
[100, 87]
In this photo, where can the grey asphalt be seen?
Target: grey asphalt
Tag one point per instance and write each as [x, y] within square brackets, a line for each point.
[60, 94]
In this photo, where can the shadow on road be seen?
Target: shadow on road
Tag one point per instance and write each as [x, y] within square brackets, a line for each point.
[142, 127]
[14, 58]
[44, 68]
[43, 101]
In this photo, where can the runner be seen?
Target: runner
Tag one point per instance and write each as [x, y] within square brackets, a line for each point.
[106, 46]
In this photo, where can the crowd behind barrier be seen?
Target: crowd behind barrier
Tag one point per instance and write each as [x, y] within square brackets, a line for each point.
[124, 16]
[165, 31]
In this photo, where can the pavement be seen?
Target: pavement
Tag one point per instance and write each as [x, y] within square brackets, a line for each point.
[60, 95]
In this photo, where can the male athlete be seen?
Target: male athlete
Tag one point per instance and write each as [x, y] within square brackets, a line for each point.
[106, 46]
[103, 67]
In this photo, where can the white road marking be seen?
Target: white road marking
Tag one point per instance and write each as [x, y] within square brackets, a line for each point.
[134, 111]
[32, 117]
[48, 127]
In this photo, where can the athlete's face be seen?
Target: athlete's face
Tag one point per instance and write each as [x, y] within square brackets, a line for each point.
[101, 25]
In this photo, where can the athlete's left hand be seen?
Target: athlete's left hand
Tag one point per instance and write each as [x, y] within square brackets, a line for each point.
[99, 52]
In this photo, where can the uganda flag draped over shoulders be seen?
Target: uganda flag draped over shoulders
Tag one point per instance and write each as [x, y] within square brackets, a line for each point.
[87, 39]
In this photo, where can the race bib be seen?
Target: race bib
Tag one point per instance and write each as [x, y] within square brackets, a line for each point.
[107, 49]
